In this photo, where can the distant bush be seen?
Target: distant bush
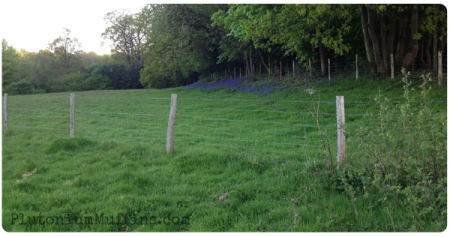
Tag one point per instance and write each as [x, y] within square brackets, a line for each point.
[93, 77]
[21, 87]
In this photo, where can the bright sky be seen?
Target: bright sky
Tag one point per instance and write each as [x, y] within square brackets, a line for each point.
[32, 25]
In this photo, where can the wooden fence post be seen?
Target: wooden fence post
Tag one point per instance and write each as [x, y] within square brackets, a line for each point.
[310, 68]
[329, 69]
[357, 72]
[280, 70]
[293, 69]
[173, 109]
[340, 112]
[392, 66]
[5, 112]
[440, 68]
[72, 114]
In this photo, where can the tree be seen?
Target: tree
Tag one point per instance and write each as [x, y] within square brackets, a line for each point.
[401, 30]
[10, 63]
[90, 58]
[406, 31]
[181, 44]
[295, 27]
[126, 33]
[66, 51]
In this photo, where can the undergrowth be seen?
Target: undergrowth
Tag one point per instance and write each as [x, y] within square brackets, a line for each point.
[400, 166]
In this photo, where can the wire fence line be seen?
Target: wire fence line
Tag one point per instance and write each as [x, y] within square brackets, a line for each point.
[212, 99]
[295, 140]
[335, 69]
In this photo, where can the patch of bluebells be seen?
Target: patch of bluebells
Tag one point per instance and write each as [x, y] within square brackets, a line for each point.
[230, 83]
[240, 86]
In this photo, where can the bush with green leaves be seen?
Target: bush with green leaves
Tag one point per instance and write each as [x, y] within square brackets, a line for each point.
[80, 82]
[402, 158]
[400, 162]
[21, 87]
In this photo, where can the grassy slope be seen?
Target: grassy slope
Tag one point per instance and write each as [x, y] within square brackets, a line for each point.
[86, 175]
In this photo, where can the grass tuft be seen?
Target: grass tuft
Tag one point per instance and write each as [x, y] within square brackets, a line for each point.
[70, 145]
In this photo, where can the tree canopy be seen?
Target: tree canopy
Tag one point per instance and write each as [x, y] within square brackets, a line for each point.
[178, 44]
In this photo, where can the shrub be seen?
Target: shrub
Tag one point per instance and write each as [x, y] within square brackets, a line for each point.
[403, 157]
[400, 163]
[21, 87]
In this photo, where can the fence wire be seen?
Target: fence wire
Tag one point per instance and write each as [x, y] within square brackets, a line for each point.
[113, 119]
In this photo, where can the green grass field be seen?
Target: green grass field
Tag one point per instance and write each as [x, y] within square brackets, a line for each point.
[239, 159]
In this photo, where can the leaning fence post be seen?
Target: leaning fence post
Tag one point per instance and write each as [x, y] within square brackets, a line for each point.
[173, 109]
[392, 66]
[440, 67]
[340, 112]
[72, 114]
[357, 72]
[5, 112]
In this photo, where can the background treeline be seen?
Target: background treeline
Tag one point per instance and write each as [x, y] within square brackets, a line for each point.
[64, 67]
[172, 45]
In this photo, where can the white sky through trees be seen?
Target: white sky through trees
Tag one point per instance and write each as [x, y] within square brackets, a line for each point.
[32, 25]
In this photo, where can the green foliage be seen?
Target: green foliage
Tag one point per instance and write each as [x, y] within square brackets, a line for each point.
[80, 82]
[296, 27]
[66, 53]
[403, 157]
[182, 43]
[21, 87]
[126, 33]
[10, 63]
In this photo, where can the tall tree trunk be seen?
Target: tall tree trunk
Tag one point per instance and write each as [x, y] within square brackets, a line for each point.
[392, 33]
[266, 65]
[414, 44]
[421, 56]
[429, 61]
[367, 41]
[263, 62]
[435, 39]
[251, 59]
[443, 26]
[400, 42]
[376, 43]
[323, 60]
[384, 47]
[246, 68]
